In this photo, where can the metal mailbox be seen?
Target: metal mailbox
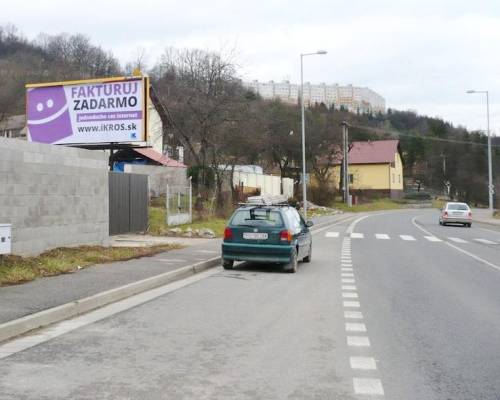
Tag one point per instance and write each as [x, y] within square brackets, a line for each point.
[5, 238]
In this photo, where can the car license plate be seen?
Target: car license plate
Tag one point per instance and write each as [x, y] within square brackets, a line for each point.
[254, 235]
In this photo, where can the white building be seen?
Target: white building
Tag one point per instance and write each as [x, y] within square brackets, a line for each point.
[353, 98]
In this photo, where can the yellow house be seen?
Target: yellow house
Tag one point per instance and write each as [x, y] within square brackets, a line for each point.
[375, 169]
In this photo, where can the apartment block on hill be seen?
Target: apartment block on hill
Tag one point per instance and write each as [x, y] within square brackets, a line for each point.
[352, 98]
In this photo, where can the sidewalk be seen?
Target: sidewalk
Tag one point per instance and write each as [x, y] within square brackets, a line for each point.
[41, 294]
[45, 293]
[482, 215]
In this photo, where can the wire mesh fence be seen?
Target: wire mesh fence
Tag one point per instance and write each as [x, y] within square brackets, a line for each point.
[179, 204]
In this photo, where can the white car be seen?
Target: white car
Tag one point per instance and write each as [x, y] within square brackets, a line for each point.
[456, 213]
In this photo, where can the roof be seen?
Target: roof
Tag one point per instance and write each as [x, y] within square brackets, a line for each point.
[373, 152]
[162, 159]
[14, 122]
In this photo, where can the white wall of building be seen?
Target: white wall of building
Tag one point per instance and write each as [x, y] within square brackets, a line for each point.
[268, 184]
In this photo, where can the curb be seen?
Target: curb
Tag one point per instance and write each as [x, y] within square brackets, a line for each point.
[478, 221]
[11, 329]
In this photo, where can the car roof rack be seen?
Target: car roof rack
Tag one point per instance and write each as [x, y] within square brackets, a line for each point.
[266, 200]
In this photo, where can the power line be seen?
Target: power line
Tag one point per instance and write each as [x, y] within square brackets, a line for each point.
[437, 139]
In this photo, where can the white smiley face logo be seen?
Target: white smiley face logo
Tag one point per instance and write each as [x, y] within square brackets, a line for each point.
[49, 103]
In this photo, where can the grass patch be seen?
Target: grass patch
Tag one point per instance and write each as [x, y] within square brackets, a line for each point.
[159, 227]
[215, 224]
[496, 214]
[15, 269]
[438, 203]
[375, 205]
[157, 221]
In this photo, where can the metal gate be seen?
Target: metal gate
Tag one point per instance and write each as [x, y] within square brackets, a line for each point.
[128, 203]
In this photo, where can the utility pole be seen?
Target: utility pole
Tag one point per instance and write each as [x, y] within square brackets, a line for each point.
[304, 182]
[491, 187]
[345, 163]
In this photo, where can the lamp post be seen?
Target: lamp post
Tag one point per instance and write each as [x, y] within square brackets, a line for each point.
[491, 188]
[304, 184]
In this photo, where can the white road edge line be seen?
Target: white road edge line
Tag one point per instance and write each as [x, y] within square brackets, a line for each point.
[477, 258]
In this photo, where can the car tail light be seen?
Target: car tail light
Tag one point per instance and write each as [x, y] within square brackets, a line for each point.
[228, 234]
[286, 236]
[445, 214]
[470, 214]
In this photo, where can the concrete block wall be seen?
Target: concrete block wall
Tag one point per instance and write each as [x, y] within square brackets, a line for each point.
[53, 196]
[160, 176]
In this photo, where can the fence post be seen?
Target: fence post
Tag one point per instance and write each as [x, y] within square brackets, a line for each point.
[190, 199]
[167, 203]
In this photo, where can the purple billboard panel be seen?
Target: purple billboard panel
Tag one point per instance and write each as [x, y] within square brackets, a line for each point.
[87, 112]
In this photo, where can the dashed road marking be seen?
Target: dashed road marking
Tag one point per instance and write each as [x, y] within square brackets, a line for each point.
[348, 280]
[364, 363]
[332, 234]
[353, 315]
[370, 386]
[432, 239]
[347, 275]
[355, 327]
[348, 287]
[346, 269]
[382, 236]
[349, 295]
[358, 341]
[357, 235]
[407, 237]
[207, 251]
[351, 304]
[457, 240]
[485, 241]
[167, 260]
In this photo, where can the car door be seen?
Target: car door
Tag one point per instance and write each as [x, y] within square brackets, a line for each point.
[306, 237]
[303, 234]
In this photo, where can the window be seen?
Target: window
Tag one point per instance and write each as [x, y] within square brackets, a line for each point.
[399, 178]
[351, 178]
[393, 178]
[257, 217]
[458, 207]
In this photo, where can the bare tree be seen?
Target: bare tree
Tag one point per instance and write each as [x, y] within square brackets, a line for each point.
[206, 104]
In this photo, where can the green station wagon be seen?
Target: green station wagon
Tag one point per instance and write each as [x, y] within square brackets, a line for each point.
[267, 233]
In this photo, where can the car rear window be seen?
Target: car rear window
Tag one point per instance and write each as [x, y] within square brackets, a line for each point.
[257, 217]
[460, 207]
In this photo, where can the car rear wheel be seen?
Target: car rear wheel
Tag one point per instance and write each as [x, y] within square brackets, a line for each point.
[309, 255]
[228, 264]
[293, 265]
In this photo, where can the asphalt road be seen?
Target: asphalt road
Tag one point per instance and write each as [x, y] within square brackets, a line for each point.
[391, 307]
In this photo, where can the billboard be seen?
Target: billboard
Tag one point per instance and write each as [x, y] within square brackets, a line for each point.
[94, 111]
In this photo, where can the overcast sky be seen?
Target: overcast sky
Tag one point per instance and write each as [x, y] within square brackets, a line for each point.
[420, 55]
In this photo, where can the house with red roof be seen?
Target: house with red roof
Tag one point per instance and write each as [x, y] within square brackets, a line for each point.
[375, 169]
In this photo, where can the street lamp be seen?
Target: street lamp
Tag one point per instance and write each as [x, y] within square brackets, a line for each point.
[491, 188]
[304, 184]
